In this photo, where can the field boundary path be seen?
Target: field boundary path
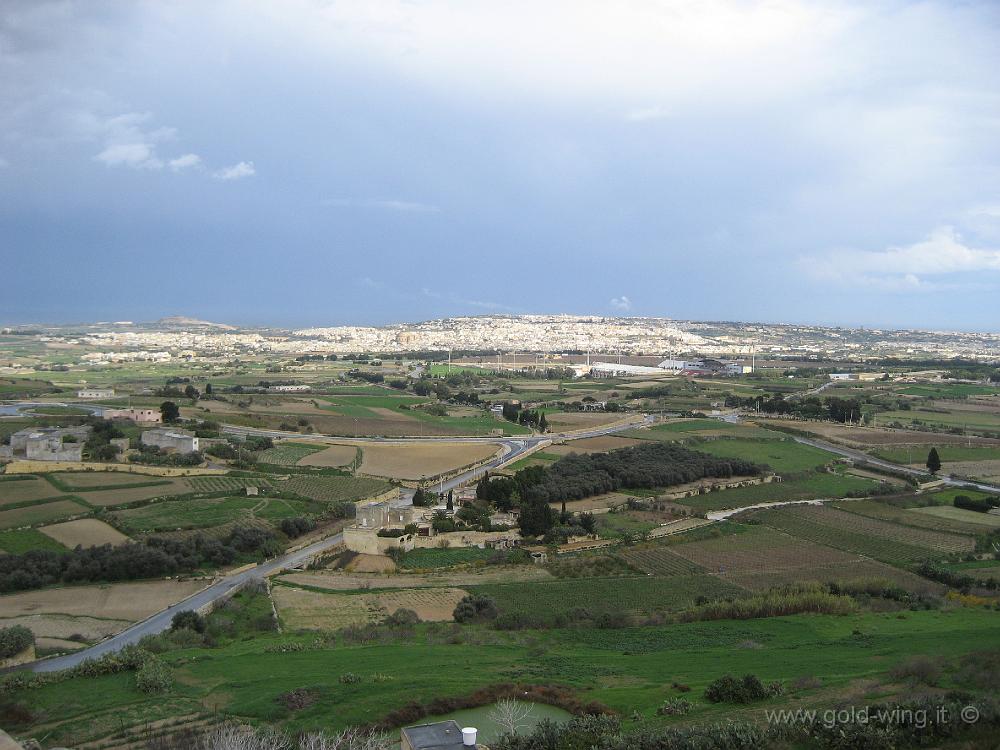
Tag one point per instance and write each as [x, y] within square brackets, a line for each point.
[225, 586]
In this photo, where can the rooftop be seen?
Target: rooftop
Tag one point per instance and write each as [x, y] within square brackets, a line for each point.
[441, 735]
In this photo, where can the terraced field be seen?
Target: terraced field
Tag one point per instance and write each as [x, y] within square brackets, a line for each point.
[224, 484]
[335, 489]
[288, 454]
[757, 549]
[442, 558]
[783, 456]
[56, 510]
[823, 485]
[26, 488]
[660, 561]
[639, 595]
[920, 517]
[19, 541]
[204, 513]
[871, 537]
[855, 569]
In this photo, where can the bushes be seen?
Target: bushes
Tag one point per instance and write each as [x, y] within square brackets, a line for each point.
[153, 677]
[674, 707]
[475, 608]
[188, 619]
[153, 558]
[747, 689]
[296, 527]
[14, 640]
[978, 505]
[773, 604]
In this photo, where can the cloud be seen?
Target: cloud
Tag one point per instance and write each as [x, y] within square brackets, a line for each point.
[622, 303]
[643, 114]
[942, 254]
[389, 205]
[236, 171]
[369, 283]
[4, 163]
[129, 144]
[184, 162]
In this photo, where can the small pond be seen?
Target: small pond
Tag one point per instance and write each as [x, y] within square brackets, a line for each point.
[479, 718]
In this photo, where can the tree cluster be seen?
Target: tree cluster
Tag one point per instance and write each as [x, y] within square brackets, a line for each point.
[153, 558]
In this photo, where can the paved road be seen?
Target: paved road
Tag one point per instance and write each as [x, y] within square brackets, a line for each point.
[857, 455]
[513, 448]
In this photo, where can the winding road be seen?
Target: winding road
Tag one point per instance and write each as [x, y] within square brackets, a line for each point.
[157, 623]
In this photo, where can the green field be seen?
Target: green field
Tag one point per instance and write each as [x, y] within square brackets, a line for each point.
[55, 509]
[819, 485]
[361, 406]
[639, 595]
[442, 558]
[986, 520]
[539, 457]
[613, 525]
[947, 453]
[225, 484]
[689, 425]
[204, 513]
[20, 541]
[630, 670]
[973, 420]
[783, 456]
[919, 517]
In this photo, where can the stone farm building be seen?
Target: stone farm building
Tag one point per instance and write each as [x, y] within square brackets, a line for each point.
[139, 416]
[50, 443]
[179, 441]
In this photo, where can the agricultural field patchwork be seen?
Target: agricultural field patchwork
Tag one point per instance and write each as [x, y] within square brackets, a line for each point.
[922, 517]
[19, 541]
[25, 488]
[871, 537]
[442, 558]
[123, 495]
[224, 484]
[288, 453]
[960, 515]
[419, 461]
[83, 481]
[782, 456]
[809, 487]
[757, 549]
[659, 560]
[207, 512]
[334, 489]
[332, 456]
[30, 515]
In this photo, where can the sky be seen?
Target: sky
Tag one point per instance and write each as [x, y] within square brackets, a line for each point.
[311, 162]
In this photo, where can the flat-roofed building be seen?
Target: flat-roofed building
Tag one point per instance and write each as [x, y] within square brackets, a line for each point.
[171, 439]
[139, 416]
[96, 393]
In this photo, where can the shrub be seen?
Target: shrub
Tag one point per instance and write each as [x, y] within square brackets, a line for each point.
[295, 700]
[153, 677]
[475, 608]
[674, 707]
[295, 527]
[917, 669]
[188, 619]
[349, 678]
[746, 689]
[402, 617]
[14, 640]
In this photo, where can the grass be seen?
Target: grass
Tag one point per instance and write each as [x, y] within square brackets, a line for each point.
[970, 419]
[947, 453]
[913, 516]
[442, 558]
[628, 669]
[53, 510]
[613, 525]
[985, 520]
[640, 595]
[533, 460]
[225, 484]
[689, 425]
[204, 513]
[783, 456]
[951, 390]
[820, 485]
[20, 541]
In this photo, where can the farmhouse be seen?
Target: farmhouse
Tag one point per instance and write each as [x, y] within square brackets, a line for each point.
[96, 393]
[139, 416]
[50, 443]
[180, 441]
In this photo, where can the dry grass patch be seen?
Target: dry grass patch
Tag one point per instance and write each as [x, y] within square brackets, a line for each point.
[868, 437]
[85, 479]
[986, 469]
[118, 601]
[420, 461]
[429, 604]
[311, 610]
[89, 629]
[334, 456]
[580, 420]
[371, 564]
[353, 582]
[86, 532]
[58, 644]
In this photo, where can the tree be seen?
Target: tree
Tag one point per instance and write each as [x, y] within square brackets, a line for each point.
[536, 517]
[169, 411]
[188, 619]
[933, 461]
[543, 423]
[192, 393]
[208, 389]
[451, 500]
[420, 498]
[511, 715]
